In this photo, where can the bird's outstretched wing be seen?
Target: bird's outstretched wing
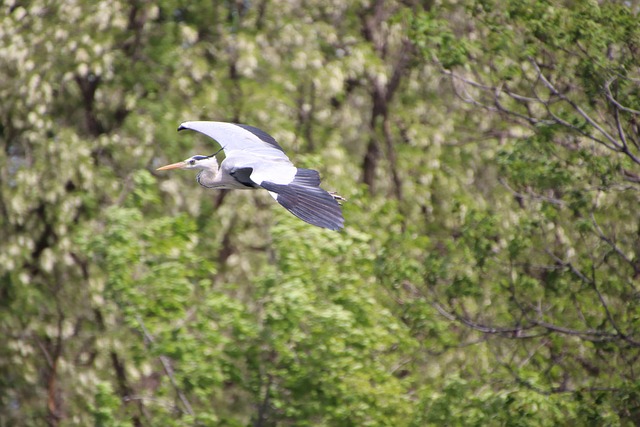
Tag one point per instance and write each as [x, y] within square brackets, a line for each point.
[238, 137]
[254, 158]
[304, 198]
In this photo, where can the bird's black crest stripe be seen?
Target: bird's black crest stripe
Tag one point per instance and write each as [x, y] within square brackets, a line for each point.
[265, 137]
[310, 204]
[216, 153]
[200, 157]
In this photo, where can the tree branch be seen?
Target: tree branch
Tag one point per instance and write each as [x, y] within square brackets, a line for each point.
[166, 365]
[575, 106]
[613, 245]
[607, 88]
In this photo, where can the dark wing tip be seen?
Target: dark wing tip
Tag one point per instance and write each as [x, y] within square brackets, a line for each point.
[181, 127]
[311, 204]
[262, 135]
[307, 178]
[333, 226]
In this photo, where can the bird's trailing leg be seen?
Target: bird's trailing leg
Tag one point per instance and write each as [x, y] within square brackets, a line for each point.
[337, 197]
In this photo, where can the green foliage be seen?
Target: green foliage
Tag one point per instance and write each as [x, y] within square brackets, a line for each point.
[433, 36]
[106, 407]
[333, 346]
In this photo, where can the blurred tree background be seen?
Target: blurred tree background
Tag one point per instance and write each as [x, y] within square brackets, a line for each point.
[489, 270]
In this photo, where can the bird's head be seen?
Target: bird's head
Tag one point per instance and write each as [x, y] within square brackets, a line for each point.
[194, 162]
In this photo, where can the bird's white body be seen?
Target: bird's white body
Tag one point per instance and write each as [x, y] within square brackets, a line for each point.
[253, 159]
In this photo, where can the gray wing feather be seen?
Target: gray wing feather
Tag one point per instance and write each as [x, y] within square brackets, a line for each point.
[305, 199]
[265, 137]
[236, 137]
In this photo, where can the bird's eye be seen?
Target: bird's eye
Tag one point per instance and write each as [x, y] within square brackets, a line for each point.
[192, 162]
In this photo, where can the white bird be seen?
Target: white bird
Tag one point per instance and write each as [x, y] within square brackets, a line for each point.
[253, 160]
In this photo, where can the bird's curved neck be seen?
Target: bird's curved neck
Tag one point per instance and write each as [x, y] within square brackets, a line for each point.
[209, 178]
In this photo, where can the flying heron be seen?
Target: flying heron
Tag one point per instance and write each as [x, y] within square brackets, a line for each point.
[254, 160]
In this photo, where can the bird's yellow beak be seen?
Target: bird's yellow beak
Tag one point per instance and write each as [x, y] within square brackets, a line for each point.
[178, 165]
